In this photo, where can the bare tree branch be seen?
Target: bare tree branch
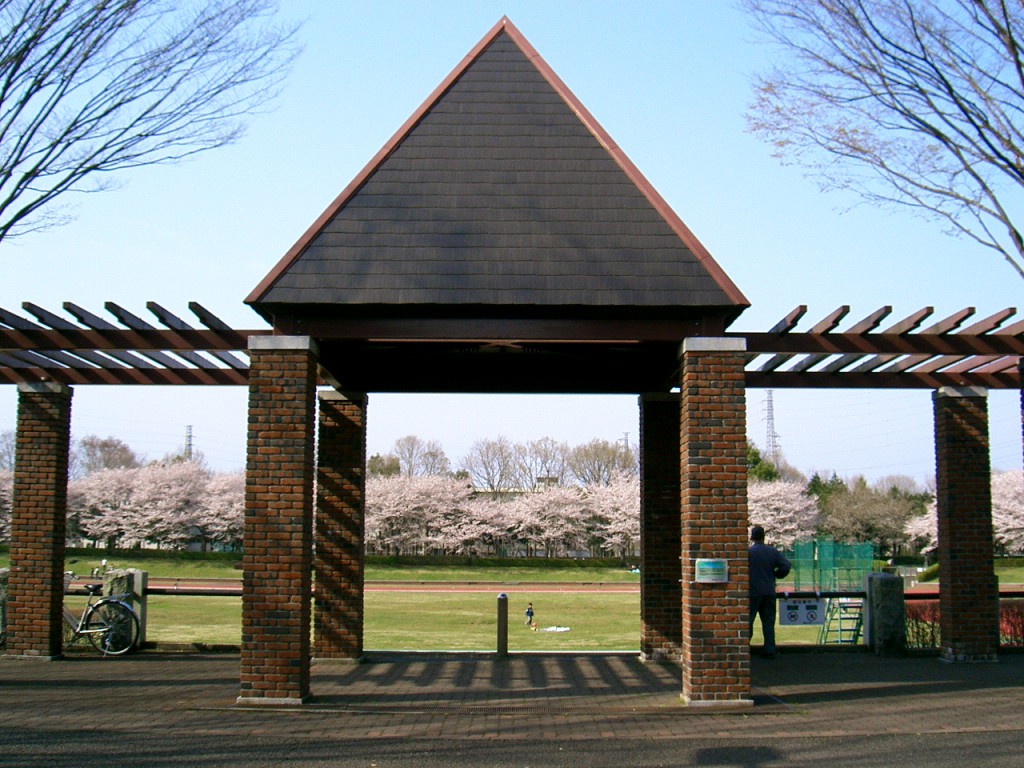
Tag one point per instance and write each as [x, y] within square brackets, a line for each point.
[92, 87]
[915, 103]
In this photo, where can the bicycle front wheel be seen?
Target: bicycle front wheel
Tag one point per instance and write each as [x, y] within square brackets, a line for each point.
[113, 627]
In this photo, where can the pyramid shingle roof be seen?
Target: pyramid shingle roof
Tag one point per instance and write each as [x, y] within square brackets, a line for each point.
[500, 190]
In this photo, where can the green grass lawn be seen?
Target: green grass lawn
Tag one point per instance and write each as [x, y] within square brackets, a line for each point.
[434, 621]
[446, 621]
[168, 567]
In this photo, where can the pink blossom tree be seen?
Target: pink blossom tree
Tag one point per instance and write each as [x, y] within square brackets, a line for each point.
[923, 530]
[1008, 512]
[616, 511]
[413, 515]
[101, 507]
[221, 513]
[554, 520]
[6, 484]
[167, 500]
[1007, 517]
[785, 510]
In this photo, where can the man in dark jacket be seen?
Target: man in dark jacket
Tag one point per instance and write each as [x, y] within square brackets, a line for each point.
[766, 564]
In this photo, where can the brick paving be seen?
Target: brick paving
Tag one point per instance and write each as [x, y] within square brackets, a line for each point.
[182, 710]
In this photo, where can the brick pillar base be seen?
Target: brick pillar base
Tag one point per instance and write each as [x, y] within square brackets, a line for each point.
[341, 487]
[969, 592]
[713, 439]
[38, 521]
[278, 562]
[660, 599]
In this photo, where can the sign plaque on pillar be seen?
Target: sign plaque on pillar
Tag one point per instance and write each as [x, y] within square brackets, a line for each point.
[711, 570]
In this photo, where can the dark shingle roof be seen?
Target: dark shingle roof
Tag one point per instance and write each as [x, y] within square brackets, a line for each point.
[500, 190]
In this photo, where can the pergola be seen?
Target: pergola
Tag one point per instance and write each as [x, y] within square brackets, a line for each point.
[82, 347]
[500, 242]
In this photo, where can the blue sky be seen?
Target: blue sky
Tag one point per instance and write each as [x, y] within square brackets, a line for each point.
[669, 81]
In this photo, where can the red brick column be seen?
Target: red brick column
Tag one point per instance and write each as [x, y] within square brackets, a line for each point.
[969, 592]
[278, 561]
[716, 651]
[341, 488]
[660, 600]
[38, 521]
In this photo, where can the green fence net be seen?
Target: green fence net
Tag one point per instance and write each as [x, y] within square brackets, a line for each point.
[828, 566]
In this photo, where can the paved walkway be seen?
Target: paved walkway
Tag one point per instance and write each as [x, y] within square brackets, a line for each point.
[158, 709]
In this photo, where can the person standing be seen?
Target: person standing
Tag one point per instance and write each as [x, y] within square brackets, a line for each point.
[766, 564]
[529, 615]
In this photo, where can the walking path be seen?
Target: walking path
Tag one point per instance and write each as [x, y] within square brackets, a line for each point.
[158, 709]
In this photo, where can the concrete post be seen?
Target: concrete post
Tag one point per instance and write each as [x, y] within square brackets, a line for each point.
[885, 614]
[131, 582]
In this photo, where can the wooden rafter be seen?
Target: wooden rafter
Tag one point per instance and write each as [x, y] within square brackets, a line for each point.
[986, 353]
[90, 349]
[80, 347]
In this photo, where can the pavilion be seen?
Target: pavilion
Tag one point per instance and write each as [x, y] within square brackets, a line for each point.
[500, 241]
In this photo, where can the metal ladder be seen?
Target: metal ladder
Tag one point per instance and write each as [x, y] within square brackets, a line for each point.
[844, 618]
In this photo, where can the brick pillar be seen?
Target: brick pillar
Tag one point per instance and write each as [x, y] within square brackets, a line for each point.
[969, 591]
[660, 600]
[341, 488]
[713, 439]
[38, 521]
[278, 560]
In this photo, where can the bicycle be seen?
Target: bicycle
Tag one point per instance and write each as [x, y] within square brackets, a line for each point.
[110, 623]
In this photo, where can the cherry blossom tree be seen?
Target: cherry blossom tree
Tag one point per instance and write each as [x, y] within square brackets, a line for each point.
[8, 441]
[785, 510]
[157, 504]
[167, 502]
[616, 511]
[411, 515]
[1007, 518]
[101, 507]
[1008, 512]
[6, 483]
[555, 521]
[221, 513]
[922, 530]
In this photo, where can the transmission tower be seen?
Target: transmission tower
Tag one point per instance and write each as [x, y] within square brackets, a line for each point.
[772, 437]
[188, 443]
